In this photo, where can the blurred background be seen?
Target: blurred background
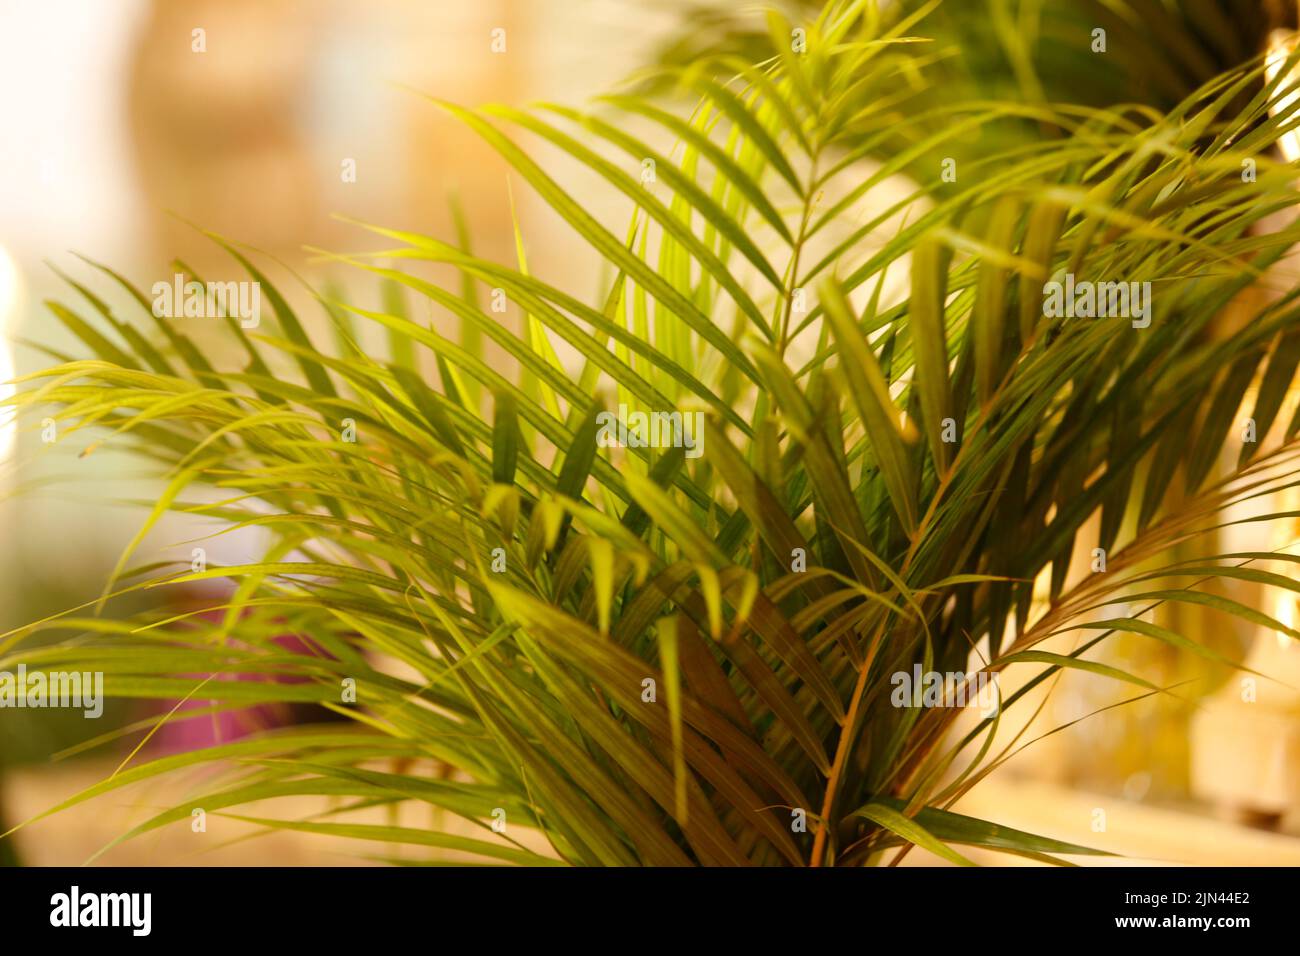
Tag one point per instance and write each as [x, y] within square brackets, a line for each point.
[128, 124]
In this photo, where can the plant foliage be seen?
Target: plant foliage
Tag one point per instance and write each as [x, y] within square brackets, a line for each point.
[831, 327]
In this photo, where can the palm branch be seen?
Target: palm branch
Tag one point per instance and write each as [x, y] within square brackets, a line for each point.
[649, 658]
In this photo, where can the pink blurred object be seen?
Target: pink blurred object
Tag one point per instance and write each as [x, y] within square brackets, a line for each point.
[181, 733]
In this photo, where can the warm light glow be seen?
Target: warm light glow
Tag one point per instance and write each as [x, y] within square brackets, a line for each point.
[8, 310]
[1280, 44]
[1285, 613]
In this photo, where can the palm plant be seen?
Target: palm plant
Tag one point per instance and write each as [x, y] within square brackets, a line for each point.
[655, 659]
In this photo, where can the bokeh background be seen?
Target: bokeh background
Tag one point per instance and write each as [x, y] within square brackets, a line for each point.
[121, 142]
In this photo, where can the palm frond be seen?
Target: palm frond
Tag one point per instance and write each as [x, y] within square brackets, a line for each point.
[656, 659]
